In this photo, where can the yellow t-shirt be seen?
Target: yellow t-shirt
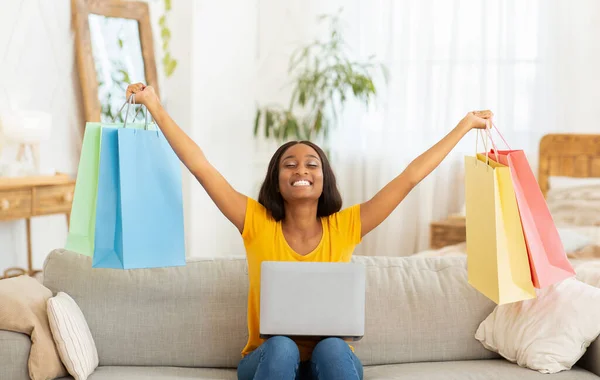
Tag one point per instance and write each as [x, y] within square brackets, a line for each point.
[264, 241]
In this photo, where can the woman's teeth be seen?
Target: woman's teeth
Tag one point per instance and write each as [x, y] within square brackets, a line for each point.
[301, 183]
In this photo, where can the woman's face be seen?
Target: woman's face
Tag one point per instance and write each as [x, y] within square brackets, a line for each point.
[300, 174]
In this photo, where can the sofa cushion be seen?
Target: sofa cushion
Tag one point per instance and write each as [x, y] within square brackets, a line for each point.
[189, 316]
[421, 309]
[14, 354]
[418, 309]
[459, 370]
[472, 370]
[160, 373]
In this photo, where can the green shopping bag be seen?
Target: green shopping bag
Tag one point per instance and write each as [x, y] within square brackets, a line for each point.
[83, 210]
[81, 236]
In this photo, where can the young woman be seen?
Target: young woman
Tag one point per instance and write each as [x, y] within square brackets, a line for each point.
[298, 217]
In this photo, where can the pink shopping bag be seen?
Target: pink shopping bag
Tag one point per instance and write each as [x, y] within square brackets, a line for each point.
[547, 257]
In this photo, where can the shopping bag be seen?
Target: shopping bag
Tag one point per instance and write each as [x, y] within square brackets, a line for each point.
[108, 247]
[139, 218]
[497, 262]
[151, 200]
[80, 237]
[547, 257]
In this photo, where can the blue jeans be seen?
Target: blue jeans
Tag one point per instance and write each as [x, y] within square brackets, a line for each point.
[279, 358]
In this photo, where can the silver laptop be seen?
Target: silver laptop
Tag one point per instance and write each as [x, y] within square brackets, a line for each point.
[312, 300]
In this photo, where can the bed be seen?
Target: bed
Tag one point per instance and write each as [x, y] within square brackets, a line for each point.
[569, 177]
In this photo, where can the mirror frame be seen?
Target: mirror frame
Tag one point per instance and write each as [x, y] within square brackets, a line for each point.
[88, 78]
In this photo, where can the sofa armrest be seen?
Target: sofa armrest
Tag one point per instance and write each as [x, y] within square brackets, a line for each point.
[591, 359]
[14, 355]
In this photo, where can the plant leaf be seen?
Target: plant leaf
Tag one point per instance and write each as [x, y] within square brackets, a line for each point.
[318, 122]
[256, 121]
[306, 131]
[302, 98]
[294, 127]
[170, 67]
[165, 33]
[125, 76]
[268, 123]
[166, 58]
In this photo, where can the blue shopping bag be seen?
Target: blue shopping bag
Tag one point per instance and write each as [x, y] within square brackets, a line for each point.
[108, 232]
[139, 207]
[151, 200]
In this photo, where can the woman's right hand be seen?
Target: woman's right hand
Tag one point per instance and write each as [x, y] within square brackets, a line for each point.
[143, 94]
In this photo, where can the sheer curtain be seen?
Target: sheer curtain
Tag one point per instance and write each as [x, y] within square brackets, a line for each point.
[445, 58]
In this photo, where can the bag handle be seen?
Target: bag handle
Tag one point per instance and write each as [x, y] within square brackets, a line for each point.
[488, 135]
[127, 103]
[145, 116]
[130, 101]
[500, 134]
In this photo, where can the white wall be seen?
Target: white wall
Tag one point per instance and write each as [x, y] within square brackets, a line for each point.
[38, 70]
[240, 55]
[223, 61]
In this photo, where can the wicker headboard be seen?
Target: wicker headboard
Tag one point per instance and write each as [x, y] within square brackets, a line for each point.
[568, 155]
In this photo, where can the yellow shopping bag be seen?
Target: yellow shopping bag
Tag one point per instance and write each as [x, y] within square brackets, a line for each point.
[497, 261]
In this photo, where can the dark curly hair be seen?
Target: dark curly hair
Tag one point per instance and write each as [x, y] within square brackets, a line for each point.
[330, 200]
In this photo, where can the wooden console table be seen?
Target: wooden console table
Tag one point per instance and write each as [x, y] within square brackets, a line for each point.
[26, 197]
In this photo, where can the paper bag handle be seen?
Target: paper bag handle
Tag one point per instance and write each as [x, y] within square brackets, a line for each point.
[500, 134]
[129, 102]
[488, 136]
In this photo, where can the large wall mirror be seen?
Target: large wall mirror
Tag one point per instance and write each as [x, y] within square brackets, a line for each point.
[114, 48]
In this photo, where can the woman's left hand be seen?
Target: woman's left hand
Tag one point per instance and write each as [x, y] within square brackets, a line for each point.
[478, 119]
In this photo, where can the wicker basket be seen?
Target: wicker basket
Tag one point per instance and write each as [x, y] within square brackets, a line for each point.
[448, 232]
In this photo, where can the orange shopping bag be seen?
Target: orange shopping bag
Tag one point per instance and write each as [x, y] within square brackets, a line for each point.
[547, 257]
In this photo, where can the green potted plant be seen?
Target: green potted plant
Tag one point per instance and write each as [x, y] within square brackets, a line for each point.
[323, 78]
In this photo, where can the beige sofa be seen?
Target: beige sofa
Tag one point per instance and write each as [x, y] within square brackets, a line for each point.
[190, 322]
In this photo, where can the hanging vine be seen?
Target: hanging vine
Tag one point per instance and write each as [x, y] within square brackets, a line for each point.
[169, 63]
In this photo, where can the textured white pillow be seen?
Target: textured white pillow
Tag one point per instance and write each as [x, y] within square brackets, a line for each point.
[549, 333]
[72, 336]
[572, 239]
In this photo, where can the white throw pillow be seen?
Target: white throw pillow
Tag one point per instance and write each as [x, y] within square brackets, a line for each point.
[557, 182]
[72, 336]
[549, 333]
[572, 239]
